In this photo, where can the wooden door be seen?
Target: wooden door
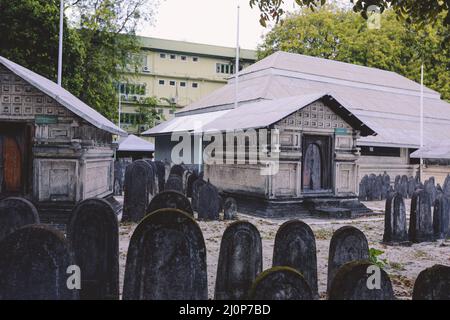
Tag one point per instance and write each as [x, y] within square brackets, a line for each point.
[12, 165]
[316, 163]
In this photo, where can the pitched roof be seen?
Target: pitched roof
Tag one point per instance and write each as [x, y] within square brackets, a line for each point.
[385, 101]
[63, 97]
[255, 115]
[437, 151]
[134, 143]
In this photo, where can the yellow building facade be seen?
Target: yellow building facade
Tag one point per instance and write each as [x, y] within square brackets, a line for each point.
[177, 73]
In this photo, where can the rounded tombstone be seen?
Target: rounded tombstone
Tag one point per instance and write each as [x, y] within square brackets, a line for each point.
[281, 283]
[361, 280]
[240, 261]
[433, 284]
[166, 259]
[347, 244]
[16, 213]
[363, 188]
[93, 235]
[208, 205]
[34, 263]
[411, 186]
[174, 183]
[395, 227]
[189, 183]
[420, 219]
[446, 186]
[170, 199]
[153, 177]
[177, 169]
[196, 186]
[137, 190]
[295, 247]
[230, 209]
[441, 217]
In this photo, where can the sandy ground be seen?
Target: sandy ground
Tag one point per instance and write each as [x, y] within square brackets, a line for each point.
[403, 263]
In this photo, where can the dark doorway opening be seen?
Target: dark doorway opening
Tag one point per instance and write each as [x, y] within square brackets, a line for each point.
[317, 164]
[15, 159]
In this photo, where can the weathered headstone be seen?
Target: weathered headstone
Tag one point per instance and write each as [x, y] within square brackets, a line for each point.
[16, 213]
[446, 186]
[403, 188]
[34, 264]
[295, 247]
[240, 261]
[386, 185]
[357, 280]
[161, 174]
[196, 186]
[153, 177]
[441, 217]
[208, 206]
[412, 183]
[137, 191]
[230, 209]
[397, 183]
[174, 183]
[93, 234]
[430, 188]
[166, 259]
[177, 169]
[378, 188]
[189, 184]
[363, 188]
[170, 199]
[420, 220]
[281, 283]
[395, 229]
[433, 284]
[347, 244]
[371, 194]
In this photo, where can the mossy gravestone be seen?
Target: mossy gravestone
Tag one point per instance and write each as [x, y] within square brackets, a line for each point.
[441, 217]
[137, 190]
[166, 259]
[433, 284]
[16, 213]
[395, 231]
[33, 265]
[420, 220]
[361, 280]
[93, 235]
[174, 183]
[240, 261]
[347, 244]
[281, 283]
[295, 247]
[208, 205]
[170, 199]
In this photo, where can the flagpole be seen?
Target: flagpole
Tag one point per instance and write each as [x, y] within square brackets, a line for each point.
[421, 122]
[61, 24]
[236, 71]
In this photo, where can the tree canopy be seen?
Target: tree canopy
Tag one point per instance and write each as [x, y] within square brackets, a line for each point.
[99, 43]
[418, 12]
[342, 35]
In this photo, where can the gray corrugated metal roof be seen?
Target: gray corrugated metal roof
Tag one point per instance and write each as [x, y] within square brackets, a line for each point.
[134, 143]
[63, 96]
[438, 151]
[392, 112]
[255, 115]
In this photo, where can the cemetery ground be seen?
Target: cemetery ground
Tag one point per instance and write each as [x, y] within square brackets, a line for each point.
[403, 264]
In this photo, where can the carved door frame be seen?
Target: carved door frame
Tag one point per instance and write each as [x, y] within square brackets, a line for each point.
[325, 144]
